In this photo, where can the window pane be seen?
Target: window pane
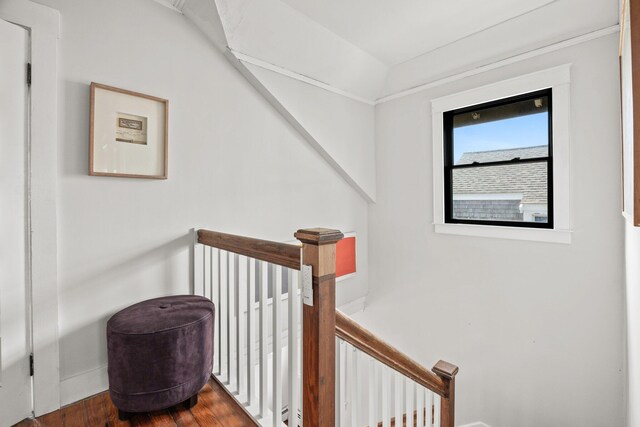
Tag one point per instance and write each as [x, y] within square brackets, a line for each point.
[515, 192]
[516, 130]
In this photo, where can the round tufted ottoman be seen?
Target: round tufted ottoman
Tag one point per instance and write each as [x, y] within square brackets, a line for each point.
[160, 353]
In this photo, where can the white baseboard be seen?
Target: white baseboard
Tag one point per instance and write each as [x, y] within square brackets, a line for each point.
[354, 306]
[83, 385]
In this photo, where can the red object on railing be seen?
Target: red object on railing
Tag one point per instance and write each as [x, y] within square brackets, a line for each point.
[346, 256]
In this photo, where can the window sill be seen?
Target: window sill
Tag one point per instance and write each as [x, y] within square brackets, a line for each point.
[511, 233]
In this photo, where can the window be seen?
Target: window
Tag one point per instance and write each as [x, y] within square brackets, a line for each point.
[501, 159]
[499, 162]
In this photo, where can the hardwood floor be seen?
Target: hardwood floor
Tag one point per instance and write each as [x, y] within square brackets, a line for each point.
[215, 408]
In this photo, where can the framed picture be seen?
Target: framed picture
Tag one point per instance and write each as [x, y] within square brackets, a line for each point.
[128, 135]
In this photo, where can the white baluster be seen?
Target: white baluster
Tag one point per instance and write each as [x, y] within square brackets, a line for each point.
[198, 268]
[420, 407]
[436, 410]
[215, 297]
[251, 335]
[224, 316]
[212, 253]
[429, 408]
[300, 344]
[241, 303]
[276, 274]
[206, 272]
[231, 321]
[219, 312]
[293, 347]
[263, 322]
[373, 393]
[398, 403]
[352, 385]
[344, 397]
[409, 399]
[386, 401]
[209, 285]
[337, 405]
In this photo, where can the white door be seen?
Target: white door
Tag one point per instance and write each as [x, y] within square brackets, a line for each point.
[15, 343]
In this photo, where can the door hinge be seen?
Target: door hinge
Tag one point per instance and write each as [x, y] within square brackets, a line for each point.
[29, 74]
[31, 364]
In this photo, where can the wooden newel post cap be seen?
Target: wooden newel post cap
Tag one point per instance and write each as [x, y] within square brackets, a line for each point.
[445, 370]
[318, 236]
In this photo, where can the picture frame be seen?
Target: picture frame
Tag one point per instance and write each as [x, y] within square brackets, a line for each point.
[128, 133]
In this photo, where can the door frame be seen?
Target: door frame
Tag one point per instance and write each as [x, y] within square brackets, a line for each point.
[43, 24]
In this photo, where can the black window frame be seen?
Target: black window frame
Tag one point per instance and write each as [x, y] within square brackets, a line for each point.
[449, 165]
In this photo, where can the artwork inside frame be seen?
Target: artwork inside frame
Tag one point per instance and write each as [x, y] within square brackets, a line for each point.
[128, 133]
[131, 129]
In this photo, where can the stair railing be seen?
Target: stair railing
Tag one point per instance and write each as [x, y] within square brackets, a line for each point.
[379, 385]
[255, 286]
[248, 279]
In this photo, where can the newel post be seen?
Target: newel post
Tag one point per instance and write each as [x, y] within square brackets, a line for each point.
[447, 372]
[319, 321]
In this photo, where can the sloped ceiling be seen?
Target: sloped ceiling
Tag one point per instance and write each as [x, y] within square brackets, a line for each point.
[324, 64]
[273, 32]
[396, 31]
[559, 21]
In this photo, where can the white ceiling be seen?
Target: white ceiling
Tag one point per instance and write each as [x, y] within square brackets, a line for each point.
[395, 31]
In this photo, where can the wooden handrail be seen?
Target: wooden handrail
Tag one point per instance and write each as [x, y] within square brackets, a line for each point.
[278, 253]
[361, 338]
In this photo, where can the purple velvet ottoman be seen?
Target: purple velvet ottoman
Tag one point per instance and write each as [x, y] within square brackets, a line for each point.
[160, 353]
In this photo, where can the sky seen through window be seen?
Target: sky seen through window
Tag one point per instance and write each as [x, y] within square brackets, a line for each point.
[517, 132]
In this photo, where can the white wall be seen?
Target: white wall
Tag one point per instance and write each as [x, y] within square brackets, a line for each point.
[234, 165]
[344, 128]
[536, 328]
[633, 323]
